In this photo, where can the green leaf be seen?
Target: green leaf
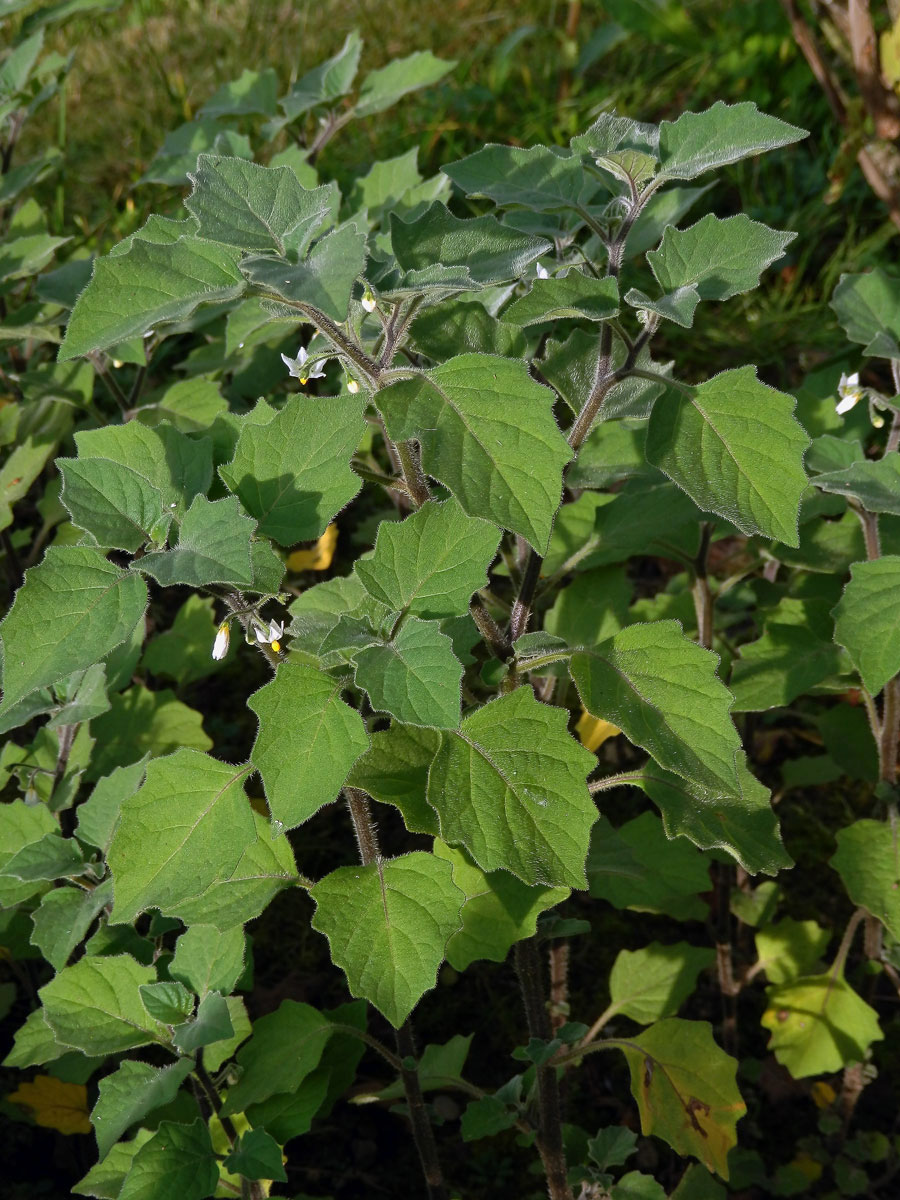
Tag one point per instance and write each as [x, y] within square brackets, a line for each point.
[328, 81]
[131, 1093]
[700, 142]
[307, 742]
[95, 1006]
[183, 652]
[213, 547]
[487, 432]
[442, 328]
[570, 296]
[648, 516]
[415, 676]
[499, 910]
[72, 610]
[209, 960]
[218, 1053]
[638, 867]
[735, 447]
[191, 405]
[178, 1161]
[648, 680]
[431, 563]
[510, 787]
[323, 280]
[256, 1156]
[183, 830]
[795, 653]
[867, 861]
[22, 256]
[293, 474]
[746, 825]
[211, 1024]
[257, 208]
[490, 252]
[868, 309]
[790, 948]
[875, 484]
[264, 868]
[388, 924]
[105, 1179]
[21, 825]
[655, 981]
[149, 284]
[394, 770]
[266, 1069]
[34, 1043]
[686, 1090]
[592, 608]
[866, 621]
[678, 306]
[819, 1024]
[537, 178]
[52, 857]
[384, 87]
[178, 466]
[97, 815]
[177, 156]
[141, 722]
[62, 920]
[167, 1001]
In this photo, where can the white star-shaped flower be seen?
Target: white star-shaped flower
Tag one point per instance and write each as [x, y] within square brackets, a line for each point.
[223, 637]
[298, 369]
[542, 272]
[368, 300]
[850, 393]
[270, 636]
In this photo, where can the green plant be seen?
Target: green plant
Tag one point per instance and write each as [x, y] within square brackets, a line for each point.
[505, 458]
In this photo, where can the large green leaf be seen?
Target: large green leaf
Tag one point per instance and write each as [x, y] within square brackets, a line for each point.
[415, 676]
[790, 948]
[140, 723]
[207, 959]
[745, 825]
[868, 308]
[266, 1069]
[177, 1163]
[213, 547]
[307, 742]
[328, 81]
[293, 473]
[257, 208]
[251, 93]
[536, 178]
[489, 251]
[73, 609]
[510, 787]
[487, 432]
[867, 861]
[21, 825]
[866, 622]
[735, 447]
[655, 981]
[875, 484]
[499, 909]
[592, 608]
[118, 507]
[131, 1093]
[95, 1006]
[149, 284]
[394, 770]
[720, 258]
[573, 295]
[662, 691]
[388, 924]
[819, 1024]
[686, 1089]
[384, 87]
[431, 563]
[63, 918]
[184, 829]
[324, 279]
[725, 133]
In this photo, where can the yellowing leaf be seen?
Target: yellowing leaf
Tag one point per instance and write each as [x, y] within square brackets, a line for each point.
[319, 556]
[594, 731]
[54, 1104]
[823, 1094]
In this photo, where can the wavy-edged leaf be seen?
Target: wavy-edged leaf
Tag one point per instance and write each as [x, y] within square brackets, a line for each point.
[724, 133]
[415, 676]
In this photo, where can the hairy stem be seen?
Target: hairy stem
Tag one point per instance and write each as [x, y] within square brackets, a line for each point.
[549, 1136]
[413, 475]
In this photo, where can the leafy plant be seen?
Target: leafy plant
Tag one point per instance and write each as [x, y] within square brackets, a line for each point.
[472, 402]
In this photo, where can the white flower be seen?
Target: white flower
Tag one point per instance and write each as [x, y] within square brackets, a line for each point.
[368, 300]
[850, 393]
[270, 636]
[223, 637]
[297, 367]
[542, 272]
[353, 386]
